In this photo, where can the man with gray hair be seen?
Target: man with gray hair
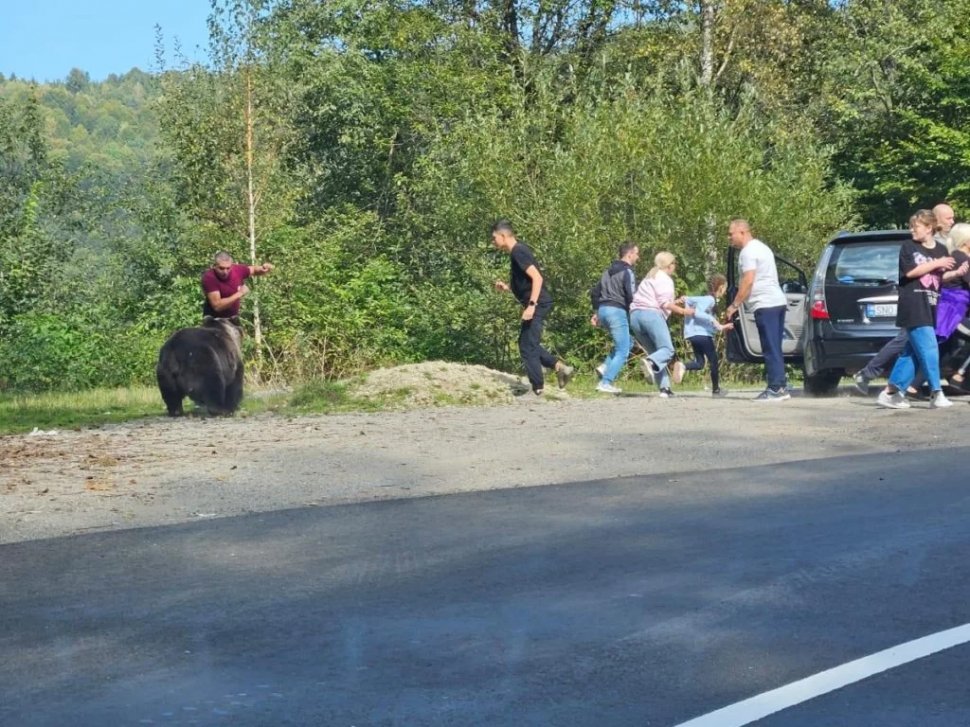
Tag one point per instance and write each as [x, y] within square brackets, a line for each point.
[760, 290]
[223, 286]
[944, 223]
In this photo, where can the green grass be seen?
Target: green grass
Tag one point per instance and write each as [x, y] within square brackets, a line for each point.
[46, 411]
[583, 386]
[326, 397]
[21, 413]
[75, 410]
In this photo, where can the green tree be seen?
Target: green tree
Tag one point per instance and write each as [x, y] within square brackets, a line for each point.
[895, 102]
[629, 164]
[224, 131]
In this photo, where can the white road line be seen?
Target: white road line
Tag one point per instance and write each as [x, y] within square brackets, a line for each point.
[766, 703]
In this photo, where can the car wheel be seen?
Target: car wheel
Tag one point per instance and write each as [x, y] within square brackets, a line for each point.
[823, 383]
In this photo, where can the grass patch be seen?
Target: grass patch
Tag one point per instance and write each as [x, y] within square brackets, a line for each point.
[23, 412]
[73, 410]
[326, 397]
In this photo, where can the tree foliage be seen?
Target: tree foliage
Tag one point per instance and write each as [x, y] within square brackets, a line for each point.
[364, 147]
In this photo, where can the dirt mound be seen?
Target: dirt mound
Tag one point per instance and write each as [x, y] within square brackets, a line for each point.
[440, 383]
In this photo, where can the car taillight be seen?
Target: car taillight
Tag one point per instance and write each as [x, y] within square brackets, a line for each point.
[819, 310]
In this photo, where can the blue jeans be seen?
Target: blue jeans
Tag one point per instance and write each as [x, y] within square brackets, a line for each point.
[649, 327]
[771, 331]
[922, 352]
[887, 355]
[615, 321]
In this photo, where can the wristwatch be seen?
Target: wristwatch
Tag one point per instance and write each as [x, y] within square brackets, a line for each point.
[531, 303]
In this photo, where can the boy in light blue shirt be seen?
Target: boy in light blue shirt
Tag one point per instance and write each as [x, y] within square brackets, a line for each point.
[700, 329]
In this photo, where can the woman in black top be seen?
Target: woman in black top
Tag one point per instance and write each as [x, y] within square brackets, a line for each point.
[922, 262]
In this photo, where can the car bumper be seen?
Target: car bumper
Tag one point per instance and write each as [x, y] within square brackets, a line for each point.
[846, 354]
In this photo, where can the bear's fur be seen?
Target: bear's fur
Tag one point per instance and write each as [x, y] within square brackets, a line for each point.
[205, 364]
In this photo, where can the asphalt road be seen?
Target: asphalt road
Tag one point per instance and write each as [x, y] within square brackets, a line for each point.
[634, 601]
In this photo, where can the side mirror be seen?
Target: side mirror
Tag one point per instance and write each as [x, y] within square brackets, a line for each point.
[793, 286]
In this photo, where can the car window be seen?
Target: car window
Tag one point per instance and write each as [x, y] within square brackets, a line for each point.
[875, 263]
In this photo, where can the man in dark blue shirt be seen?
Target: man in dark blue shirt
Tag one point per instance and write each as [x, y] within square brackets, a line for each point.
[528, 287]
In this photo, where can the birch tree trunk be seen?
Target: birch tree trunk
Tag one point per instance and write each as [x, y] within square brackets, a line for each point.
[707, 42]
[251, 205]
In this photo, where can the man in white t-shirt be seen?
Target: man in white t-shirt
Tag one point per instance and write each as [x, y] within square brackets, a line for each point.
[760, 290]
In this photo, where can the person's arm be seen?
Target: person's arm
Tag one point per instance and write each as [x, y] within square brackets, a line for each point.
[678, 309]
[700, 314]
[669, 303]
[957, 272]
[629, 288]
[530, 308]
[744, 290]
[595, 293]
[930, 266]
[219, 304]
[261, 269]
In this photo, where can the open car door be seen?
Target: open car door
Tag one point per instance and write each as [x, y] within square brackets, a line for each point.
[743, 344]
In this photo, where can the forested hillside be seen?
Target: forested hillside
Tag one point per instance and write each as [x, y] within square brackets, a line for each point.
[365, 147]
[110, 126]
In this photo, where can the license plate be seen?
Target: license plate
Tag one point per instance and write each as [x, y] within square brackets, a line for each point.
[880, 310]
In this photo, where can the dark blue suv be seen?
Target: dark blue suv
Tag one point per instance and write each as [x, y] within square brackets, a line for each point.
[851, 305]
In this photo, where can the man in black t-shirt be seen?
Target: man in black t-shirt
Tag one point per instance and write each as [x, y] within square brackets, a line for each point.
[528, 287]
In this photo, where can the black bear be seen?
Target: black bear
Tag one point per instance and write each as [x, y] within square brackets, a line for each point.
[205, 364]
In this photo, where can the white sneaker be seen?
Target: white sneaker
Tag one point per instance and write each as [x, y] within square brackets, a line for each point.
[605, 388]
[677, 372]
[600, 371]
[646, 365]
[892, 401]
[939, 401]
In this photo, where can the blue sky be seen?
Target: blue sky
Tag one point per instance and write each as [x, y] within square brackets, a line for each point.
[45, 39]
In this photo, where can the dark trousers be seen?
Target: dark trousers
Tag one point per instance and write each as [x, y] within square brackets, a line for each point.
[883, 361]
[771, 331]
[534, 356]
[704, 349]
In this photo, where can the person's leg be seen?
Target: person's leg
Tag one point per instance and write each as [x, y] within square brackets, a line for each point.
[697, 343]
[546, 359]
[616, 322]
[882, 361]
[709, 350]
[639, 331]
[771, 331]
[530, 334]
[644, 329]
[927, 352]
[904, 369]
[663, 347]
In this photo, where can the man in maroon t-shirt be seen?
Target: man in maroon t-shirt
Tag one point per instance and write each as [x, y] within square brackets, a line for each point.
[223, 285]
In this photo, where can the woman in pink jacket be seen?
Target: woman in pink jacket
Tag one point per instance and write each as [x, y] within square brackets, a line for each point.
[653, 303]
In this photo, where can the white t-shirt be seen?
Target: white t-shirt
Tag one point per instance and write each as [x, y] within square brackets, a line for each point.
[766, 292]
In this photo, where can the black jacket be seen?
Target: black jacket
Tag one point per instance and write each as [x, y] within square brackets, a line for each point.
[615, 288]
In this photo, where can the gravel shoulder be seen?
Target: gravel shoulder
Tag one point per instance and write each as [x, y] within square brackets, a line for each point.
[162, 471]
